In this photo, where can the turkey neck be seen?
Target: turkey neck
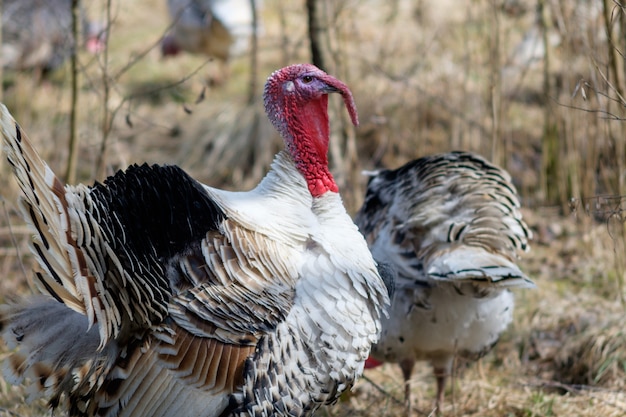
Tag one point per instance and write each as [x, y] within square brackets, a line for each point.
[306, 138]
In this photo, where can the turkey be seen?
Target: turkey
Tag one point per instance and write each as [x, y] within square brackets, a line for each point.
[451, 228]
[162, 296]
[217, 29]
[36, 34]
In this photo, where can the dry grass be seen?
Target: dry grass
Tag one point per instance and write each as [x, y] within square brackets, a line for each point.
[422, 86]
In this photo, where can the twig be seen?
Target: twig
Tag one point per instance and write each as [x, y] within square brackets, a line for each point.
[137, 57]
[609, 115]
[622, 101]
[382, 390]
[405, 81]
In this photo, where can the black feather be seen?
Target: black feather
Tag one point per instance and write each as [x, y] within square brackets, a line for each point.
[388, 273]
[159, 209]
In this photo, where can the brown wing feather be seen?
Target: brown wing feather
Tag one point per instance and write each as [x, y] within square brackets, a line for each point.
[204, 363]
[153, 375]
[223, 294]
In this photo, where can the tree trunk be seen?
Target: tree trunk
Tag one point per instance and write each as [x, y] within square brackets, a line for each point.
[70, 173]
[254, 53]
[317, 31]
[550, 178]
[1, 62]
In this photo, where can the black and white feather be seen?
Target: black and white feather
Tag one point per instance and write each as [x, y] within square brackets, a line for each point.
[163, 296]
[451, 227]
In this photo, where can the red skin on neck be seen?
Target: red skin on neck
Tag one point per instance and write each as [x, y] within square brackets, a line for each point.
[310, 150]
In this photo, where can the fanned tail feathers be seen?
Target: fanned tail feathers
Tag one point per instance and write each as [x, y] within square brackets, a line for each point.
[144, 377]
[453, 217]
[44, 207]
[59, 351]
[51, 355]
[95, 341]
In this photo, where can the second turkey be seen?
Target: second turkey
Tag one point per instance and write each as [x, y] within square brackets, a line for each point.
[451, 228]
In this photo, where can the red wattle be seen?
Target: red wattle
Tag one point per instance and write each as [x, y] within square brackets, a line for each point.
[372, 363]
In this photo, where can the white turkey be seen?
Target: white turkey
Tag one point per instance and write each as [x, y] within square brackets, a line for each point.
[451, 227]
[163, 296]
[218, 29]
[36, 34]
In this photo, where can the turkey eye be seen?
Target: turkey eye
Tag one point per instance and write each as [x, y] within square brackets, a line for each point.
[307, 79]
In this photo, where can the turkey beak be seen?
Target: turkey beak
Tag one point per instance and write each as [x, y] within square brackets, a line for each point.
[333, 85]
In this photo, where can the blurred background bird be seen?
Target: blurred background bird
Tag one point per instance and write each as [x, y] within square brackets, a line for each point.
[37, 35]
[218, 29]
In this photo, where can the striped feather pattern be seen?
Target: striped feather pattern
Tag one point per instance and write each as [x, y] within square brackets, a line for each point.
[423, 215]
[451, 227]
[47, 216]
[165, 297]
[205, 363]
